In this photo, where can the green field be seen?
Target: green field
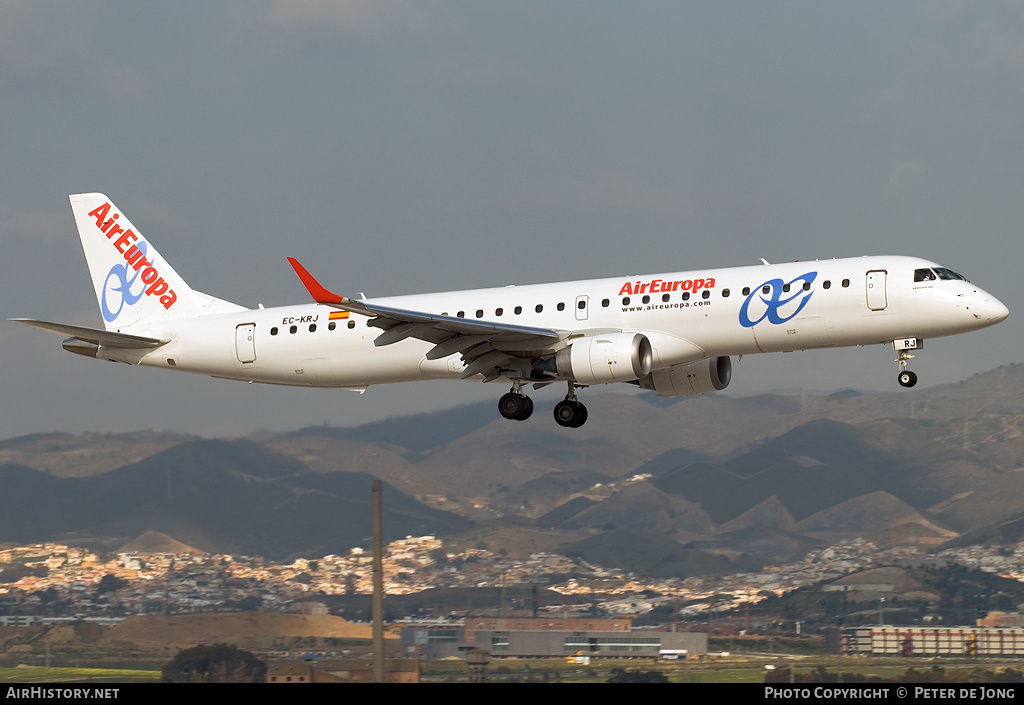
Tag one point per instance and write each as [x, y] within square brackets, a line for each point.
[42, 674]
[744, 669]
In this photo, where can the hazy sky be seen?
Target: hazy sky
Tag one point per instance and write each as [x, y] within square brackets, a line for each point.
[398, 147]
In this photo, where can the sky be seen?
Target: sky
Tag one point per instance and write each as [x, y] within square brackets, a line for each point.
[401, 147]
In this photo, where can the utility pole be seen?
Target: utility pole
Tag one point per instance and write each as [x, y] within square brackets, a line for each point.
[378, 587]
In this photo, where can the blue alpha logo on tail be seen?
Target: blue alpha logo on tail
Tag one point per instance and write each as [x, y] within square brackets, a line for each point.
[128, 298]
[773, 300]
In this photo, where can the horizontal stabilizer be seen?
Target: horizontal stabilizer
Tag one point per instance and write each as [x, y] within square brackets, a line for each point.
[110, 339]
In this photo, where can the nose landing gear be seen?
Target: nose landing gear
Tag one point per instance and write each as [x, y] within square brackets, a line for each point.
[906, 378]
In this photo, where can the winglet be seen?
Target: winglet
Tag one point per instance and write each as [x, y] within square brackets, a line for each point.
[319, 294]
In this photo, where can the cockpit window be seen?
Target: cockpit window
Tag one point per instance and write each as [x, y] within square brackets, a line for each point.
[924, 275]
[949, 274]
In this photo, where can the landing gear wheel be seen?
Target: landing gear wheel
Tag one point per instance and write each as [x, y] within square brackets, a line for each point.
[907, 378]
[516, 407]
[570, 414]
[511, 405]
[565, 413]
[582, 415]
[527, 409]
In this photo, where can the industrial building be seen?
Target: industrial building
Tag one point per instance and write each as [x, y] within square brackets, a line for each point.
[885, 640]
[544, 638]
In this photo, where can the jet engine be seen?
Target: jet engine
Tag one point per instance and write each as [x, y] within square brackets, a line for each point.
[711, 375]
[603, 359]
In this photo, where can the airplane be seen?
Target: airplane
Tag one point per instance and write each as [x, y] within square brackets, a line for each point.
[673, 333]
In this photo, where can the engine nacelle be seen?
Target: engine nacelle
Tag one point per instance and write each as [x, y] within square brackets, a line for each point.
[603, 359]
[711, 375]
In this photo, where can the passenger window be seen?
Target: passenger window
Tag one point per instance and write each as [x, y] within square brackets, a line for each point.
[479, 313]
[665, 297]
[846, 283]
[498, 312]
[746, 291]
[625, 300]
[686, 296]
[351, 324]
[807, 286]
[538, 308]
[646, 299]
[725, 293]
[273, 331]
[312, 327]
[561, 306]
[605, 303]
[293, 329]
[461, 314]
[332, 325]
[705, 294]
[785, 287]
[766, 289]
[519, 309]
[583, 304]
[826, 284]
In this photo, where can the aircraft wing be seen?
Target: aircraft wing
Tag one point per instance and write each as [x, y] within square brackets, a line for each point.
[110, 339]
[484, 345]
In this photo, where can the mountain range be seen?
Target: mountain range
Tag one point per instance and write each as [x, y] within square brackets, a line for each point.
[704, 484]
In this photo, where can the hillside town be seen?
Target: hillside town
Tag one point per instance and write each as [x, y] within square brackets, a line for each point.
[55, 580]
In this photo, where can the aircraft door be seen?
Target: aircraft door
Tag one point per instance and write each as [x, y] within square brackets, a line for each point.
[876, 289]
[245, 342]
[582, 303]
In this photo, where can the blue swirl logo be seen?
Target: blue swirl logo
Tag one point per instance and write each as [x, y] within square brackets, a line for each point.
[123, 287]
[771, 296]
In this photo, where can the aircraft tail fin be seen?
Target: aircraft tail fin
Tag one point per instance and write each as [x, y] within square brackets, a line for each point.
[134, 284]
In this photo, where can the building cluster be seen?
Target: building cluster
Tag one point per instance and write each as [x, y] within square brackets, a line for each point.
[45, 575]
[142, 583]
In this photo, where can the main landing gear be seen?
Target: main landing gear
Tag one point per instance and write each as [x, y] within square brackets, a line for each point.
[570, 412]
[516, 406]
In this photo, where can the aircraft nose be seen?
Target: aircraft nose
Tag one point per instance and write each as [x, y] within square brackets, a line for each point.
[989, 309]
[999, 310]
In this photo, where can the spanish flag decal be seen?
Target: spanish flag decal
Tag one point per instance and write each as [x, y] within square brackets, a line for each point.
[336, 315]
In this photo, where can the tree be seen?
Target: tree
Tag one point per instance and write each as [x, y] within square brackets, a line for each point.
[110, 583]
[219, 663]
[620, 675]
[48, 596]
[17, 572]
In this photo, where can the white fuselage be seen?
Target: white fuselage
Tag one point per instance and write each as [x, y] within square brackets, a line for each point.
[686, 315]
